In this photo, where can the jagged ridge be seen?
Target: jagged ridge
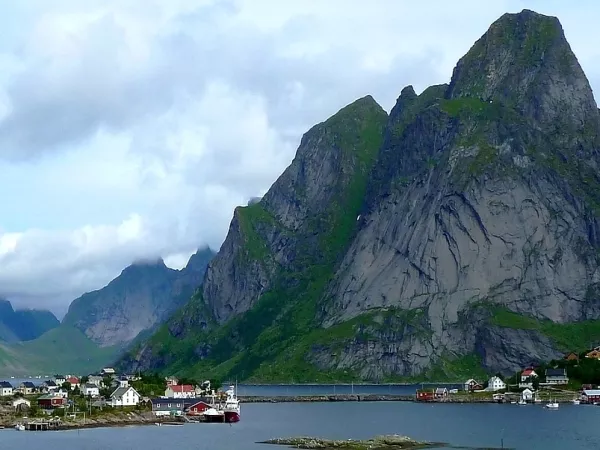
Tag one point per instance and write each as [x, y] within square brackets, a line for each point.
[482, 198]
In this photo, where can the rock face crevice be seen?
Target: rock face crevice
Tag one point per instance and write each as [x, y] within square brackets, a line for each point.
[471, 200]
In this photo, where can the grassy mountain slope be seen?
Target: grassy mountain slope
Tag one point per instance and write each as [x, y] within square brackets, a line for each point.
[62, 349]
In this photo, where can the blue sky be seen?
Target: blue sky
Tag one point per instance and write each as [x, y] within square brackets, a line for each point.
[132, 128]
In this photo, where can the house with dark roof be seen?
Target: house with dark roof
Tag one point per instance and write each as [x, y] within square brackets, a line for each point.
[124, 396]
[557, 376]
[6, 389]
[26, 388]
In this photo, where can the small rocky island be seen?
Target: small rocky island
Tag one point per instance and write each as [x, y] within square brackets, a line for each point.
[391, 442]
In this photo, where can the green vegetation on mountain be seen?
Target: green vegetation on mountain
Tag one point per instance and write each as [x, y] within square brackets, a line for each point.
[24, 324]
[62, 349]
[384, 250]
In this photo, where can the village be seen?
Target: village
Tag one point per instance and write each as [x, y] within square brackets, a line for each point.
[533, 384]
[70, 397]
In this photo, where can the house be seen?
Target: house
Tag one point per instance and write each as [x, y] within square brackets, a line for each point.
[594, 354]
[26, 388]
[425, 396]
[470, 385]
[51, 401]
[21, 404]
[123, 381]
[91, 390]
[441, 393]
[59, 379]
[61, 393]
[124, 396]
[171, 381]
[496, 384]
[527, 377]
[591, 395]
[557, 376]
[108, 372]
[572, 357]
[95, 379]
[6, 389]
[168, 406]
[49, 386]
[197, 408]
[73, 381]
[180, 391]
[527, 395]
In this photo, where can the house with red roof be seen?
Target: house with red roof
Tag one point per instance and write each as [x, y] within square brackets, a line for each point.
[180, 391]
[73, 381]
[527, 377]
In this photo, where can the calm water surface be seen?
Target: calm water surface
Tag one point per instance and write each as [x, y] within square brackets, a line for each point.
[529, 427]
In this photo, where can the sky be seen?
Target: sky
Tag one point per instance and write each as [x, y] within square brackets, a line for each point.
[131, 129]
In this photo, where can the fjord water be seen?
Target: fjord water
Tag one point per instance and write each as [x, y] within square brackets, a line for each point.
[529, 427]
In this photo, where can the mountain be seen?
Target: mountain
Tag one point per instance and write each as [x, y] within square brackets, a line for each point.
[100, 325]
[142, 296]
[455, 237]
[24, 325]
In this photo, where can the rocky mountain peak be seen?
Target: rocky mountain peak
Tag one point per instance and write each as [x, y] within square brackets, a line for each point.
[524, 61]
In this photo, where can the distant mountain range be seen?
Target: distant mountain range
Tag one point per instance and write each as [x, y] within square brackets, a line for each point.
[24, 325]
[101, 324]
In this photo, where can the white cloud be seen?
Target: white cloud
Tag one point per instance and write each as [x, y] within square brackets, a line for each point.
[131, 129]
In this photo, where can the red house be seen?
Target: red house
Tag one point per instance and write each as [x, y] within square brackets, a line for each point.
[425, 396]
[197, 409]
[51, 401]
[591, 395]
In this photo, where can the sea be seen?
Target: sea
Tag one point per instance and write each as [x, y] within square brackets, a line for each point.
[531, 427]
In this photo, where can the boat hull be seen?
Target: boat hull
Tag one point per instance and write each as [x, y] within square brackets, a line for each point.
[232, 416]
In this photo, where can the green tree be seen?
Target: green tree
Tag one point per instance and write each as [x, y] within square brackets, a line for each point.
[66, 386]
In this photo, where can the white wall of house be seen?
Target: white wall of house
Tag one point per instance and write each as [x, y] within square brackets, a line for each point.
[93, 391]
[496, 384]
[129, 398]
[6, 392]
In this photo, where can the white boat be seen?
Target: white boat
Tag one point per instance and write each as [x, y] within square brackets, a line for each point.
[552, 405]
[576, 401]
[522, 402]
[20, 427]
[232, 406]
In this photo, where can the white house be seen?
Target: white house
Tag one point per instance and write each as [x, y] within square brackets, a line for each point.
[6, 389]
[108, 371]
[59, 379]
[91, 390]
[527, 395]
[180, 391]
[124, 396]
[496, 384]
[61, 393]
[95, 379]
[527, 377]
[123, 381]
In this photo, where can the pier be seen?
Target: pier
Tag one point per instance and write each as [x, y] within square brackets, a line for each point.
[43, 426]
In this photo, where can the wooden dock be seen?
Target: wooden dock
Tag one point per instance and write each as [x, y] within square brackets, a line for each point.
[43, 425]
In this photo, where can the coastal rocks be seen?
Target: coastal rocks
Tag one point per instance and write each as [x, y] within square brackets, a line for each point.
[391, 442]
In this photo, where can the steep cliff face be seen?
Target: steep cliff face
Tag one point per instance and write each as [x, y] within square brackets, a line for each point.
[141, 297]
[457, 235]
[265, 281]
[24, 325]
[487, 193]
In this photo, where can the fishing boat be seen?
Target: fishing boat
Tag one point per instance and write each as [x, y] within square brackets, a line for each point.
[232, 406]
[552, 405]
[214, 415]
